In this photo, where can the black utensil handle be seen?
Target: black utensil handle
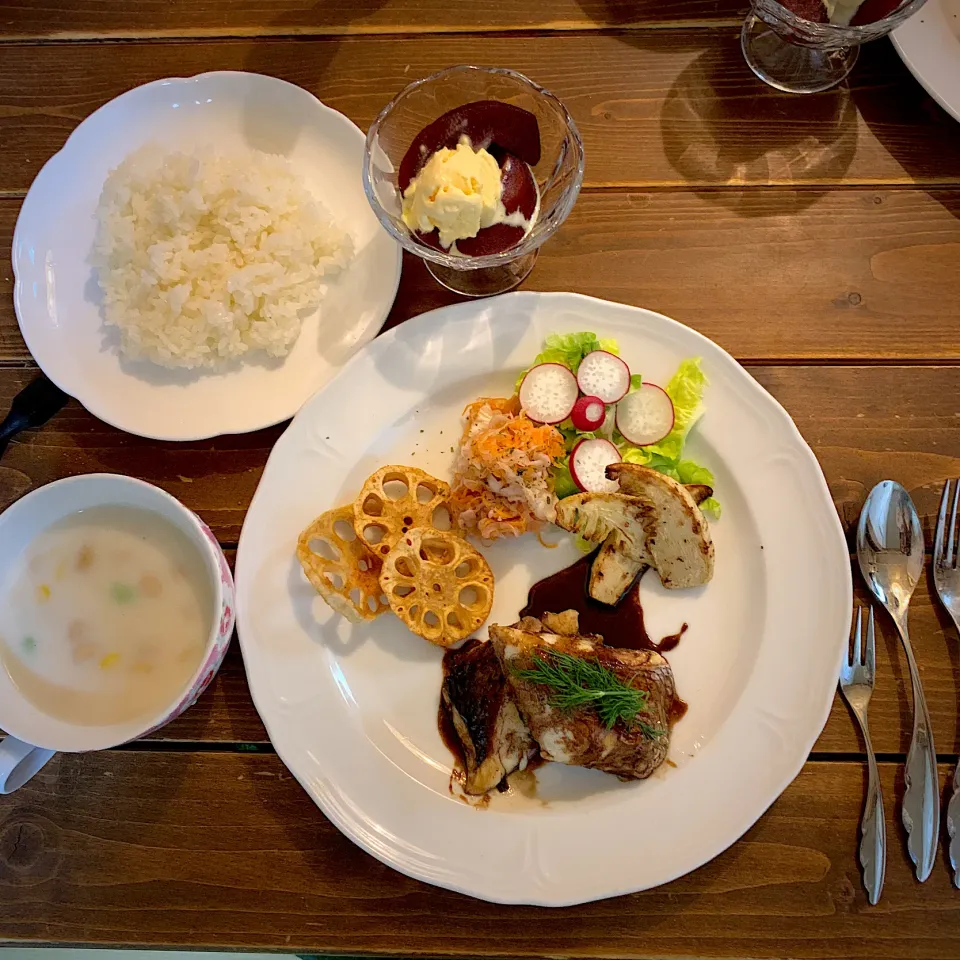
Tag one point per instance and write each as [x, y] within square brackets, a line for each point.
[32, 407]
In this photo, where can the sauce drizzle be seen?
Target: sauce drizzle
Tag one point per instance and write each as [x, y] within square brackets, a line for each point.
[567, 590]
[620, 626]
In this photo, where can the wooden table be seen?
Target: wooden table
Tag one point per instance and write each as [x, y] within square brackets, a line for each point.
[817, 239]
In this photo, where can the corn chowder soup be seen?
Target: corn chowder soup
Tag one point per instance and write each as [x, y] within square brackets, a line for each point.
[104, 618]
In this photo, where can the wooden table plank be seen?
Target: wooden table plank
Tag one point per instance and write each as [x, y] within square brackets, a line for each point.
[768, 274]
[225, 714]
[228, 851]
[865, 423]
[73, 19]
[161, 846]
[659, 107]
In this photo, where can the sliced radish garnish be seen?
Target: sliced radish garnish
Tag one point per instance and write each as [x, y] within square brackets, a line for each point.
[588, 413]
[603, 375]
[548, 393]
[588, 465]
[646, 415]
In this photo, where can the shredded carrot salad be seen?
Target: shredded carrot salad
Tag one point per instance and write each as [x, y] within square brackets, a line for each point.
[503, 485]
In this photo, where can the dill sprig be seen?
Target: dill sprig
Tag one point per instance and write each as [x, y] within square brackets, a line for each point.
[579, 683]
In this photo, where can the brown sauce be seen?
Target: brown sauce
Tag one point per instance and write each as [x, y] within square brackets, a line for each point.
[677, 711]
[451, 739]
[448, 734]
[620, 626]
[672, 640]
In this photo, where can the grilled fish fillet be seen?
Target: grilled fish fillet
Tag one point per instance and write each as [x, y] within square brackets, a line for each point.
[480, 704]
[578, 737]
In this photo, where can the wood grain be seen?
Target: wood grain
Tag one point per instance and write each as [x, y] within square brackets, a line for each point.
[773, 274]
[228, 851]
[655, 108]
[187, 841]
[216, 478]
[225, 714]
[74, 19]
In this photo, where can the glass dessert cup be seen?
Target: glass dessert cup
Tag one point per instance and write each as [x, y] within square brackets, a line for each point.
[558, 174]
[801, 56]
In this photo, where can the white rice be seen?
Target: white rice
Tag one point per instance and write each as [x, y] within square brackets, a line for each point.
[205, 257]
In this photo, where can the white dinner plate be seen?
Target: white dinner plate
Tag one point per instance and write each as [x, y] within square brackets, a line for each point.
[352, 709]
[929, 44]
[56, 293]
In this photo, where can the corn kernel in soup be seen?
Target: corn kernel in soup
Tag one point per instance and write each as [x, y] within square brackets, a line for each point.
[104, 619]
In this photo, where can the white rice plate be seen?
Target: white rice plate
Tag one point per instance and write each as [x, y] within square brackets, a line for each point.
[203, 258]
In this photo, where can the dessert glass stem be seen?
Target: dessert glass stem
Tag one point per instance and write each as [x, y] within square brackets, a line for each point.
[793, 67]
[487, 281]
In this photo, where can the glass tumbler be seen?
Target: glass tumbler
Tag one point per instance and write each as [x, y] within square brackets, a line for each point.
[803, 56]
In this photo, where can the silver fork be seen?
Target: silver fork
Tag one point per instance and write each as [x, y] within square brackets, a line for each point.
[856, 684]
[946, 576]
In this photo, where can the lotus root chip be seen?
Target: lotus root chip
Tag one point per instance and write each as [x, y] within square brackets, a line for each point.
[438, 585]
[342, 568]
[395, 500]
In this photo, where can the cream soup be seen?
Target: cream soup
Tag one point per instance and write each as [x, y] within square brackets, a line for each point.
[105, 616]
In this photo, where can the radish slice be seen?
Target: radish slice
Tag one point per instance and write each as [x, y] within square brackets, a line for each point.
[588, 413]
[603, 375]
[548, 393]
[646, 415]
[588, 465]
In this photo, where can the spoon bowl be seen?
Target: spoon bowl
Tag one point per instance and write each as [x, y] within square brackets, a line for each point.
[890, 546]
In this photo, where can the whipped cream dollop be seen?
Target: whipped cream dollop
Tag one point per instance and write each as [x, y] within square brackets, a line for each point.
[458, 192]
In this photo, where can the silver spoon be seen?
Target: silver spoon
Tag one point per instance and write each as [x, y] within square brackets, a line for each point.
[890, 551]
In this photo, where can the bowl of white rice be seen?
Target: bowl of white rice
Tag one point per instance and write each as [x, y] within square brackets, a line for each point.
[207, 257]
[200, 258]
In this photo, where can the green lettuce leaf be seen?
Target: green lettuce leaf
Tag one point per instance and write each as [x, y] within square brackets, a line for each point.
[685, 389]
[570, 348]
[584, 546]
[712, 506]
[563, 480]
[690, 472]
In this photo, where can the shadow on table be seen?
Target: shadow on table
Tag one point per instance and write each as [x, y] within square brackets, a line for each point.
[274, 58]
[893, 106]
[722, 127]
[628, 13]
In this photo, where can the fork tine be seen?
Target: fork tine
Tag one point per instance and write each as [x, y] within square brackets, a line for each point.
[857, 631]
[870, 652]
[953, 526]
[938, 557]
